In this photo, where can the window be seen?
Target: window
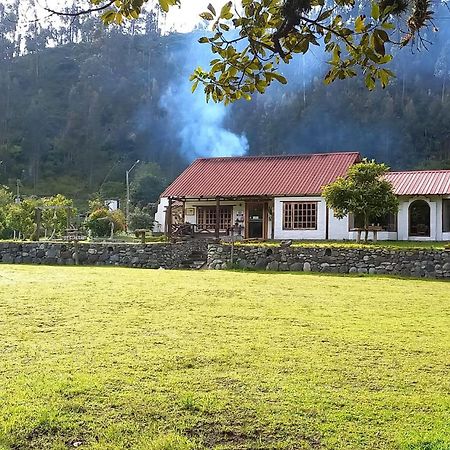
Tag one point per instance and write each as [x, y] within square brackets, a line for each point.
[446, 215]
[206, 217]
[300, 215]
[388, 222]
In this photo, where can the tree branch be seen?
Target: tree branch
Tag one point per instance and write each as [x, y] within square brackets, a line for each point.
[80, 13]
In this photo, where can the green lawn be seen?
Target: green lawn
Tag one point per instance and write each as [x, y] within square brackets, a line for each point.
[112, 358]
[389, 245]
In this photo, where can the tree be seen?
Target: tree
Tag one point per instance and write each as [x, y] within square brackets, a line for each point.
[147, 184]
[250, 43]
[141, 218]
[6, 199]
[56, 213]
[21, 216]
[363, 192]
[102, 222]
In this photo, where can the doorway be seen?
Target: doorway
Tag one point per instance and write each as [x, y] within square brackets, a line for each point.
[419, 219]
[256, 215]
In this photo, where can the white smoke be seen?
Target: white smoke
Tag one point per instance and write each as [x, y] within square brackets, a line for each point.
[201, 126]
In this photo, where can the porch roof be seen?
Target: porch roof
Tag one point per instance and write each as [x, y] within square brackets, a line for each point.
[261, 175]
[420, 182]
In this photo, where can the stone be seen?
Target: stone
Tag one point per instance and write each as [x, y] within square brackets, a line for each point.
[372, 271]
[306, 267]
[296, 267]
[353, 270]
[242, 264]
[273, 265]
[52, 252]
[260, 263]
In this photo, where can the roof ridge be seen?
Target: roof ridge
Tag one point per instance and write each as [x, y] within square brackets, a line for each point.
[291, 155]
[420, 171]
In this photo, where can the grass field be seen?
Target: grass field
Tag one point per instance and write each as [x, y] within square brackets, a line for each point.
[112, 358]
[389, 245]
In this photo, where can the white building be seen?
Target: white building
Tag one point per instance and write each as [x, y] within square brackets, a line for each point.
[279, 197]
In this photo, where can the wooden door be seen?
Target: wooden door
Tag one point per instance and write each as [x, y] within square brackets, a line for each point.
[256, 220]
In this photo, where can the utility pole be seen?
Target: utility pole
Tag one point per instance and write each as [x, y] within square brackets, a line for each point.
[17, 200]
[127, 206]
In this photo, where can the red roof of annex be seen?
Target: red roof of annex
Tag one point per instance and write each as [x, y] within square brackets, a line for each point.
[420, 182]
[243, 176]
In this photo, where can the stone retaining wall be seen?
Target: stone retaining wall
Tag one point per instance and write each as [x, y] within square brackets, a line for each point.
[415, 263]
[153, 256]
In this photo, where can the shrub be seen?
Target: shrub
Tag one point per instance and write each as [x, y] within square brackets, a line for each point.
[21, 216]
[141, 218]
[101, 220]
[6, 199]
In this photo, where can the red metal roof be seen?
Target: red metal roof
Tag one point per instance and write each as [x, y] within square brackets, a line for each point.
[420, 182]
[261, 175]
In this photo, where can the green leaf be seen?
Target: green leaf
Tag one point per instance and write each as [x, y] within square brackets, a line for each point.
[278, 77]
[164, 5]
[359, 24]
[225, 12]
[388, 25]
[370, 82]
[207, 16]
[375, 11]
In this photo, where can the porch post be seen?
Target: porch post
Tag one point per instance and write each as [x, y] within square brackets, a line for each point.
[169, 219]
[217, 217]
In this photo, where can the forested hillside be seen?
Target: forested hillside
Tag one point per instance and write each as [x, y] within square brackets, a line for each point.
[80, 104]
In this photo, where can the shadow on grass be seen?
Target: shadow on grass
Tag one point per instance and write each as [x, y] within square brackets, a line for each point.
[341, 275]
[428, 445]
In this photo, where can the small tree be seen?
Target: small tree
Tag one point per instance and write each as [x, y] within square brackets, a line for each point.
[141, 218]
[6, 199]
[363, 192]
[57, 212]
[103, 223]
[21, 216]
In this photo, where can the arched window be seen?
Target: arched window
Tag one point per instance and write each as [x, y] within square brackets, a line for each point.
[419, 218]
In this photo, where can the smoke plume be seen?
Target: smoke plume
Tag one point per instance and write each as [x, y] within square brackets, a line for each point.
[200, 126]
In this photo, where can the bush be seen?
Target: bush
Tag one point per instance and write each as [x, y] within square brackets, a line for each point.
[6, 199]
[141, 218]
[101, 220]
[21, 216]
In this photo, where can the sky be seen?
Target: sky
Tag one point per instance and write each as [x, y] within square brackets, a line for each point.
[183, 19]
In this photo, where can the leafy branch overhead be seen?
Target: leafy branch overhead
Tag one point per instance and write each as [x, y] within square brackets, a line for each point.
[250, 42]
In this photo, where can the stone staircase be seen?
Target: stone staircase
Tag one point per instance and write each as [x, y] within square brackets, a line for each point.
[195, 261]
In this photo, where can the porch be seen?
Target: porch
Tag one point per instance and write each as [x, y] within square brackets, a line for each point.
[215, 218]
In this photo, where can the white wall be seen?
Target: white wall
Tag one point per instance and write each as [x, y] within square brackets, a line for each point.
[160, 215]
[337, 228]
[435, 219]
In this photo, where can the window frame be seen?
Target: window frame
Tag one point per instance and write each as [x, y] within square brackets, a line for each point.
[303, 203]
[351, 223]
[225, 217]
[445, 207]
